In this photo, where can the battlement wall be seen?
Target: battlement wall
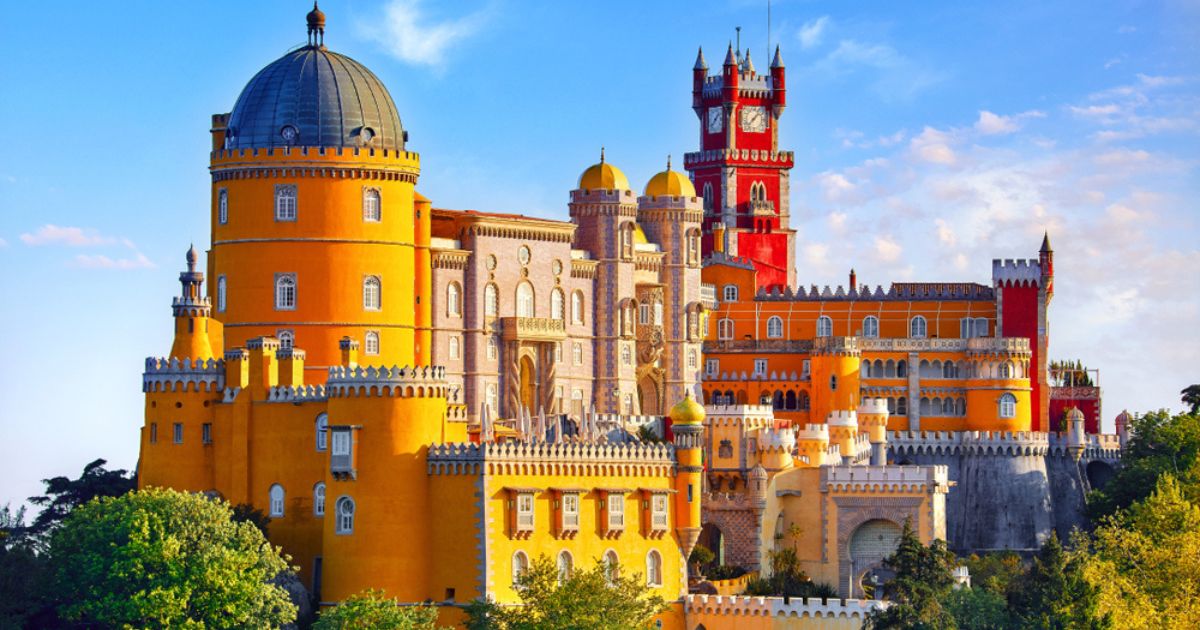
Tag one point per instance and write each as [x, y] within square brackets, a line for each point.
[883, 478]
[405, 382]
[1104, 446]
[303, 393]
[1009, 272]
[717, 611]
[558, 458]
[902, 443]
[174, 375]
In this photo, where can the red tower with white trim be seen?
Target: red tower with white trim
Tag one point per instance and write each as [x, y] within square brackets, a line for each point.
[739, 169]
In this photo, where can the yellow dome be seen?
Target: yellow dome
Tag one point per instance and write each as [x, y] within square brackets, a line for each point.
[639, 236]
[670, 183]
[603, 176]
[687, 411]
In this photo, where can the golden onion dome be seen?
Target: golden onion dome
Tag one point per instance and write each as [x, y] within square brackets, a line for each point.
[670, 183]
[687, 411]
[603, 176]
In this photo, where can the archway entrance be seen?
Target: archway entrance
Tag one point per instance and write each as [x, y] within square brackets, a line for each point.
[873, 541]
[1098, 474]
[648, 397]
[712, 538]
[528, 383]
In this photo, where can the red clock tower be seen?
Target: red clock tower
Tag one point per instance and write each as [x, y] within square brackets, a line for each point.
[739, 169]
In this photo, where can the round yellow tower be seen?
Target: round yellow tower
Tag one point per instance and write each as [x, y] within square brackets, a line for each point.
[687, 424]
[314, 232]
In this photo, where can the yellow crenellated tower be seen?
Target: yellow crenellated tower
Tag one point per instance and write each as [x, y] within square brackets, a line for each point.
[835, 375]
[194, 328]
[812, 445]
[873, 419]
[687, 424]
[843, 431]
[315, 232]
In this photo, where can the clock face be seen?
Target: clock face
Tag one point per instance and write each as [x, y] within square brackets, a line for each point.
[289, 133]
[716, 119]
[754, 119]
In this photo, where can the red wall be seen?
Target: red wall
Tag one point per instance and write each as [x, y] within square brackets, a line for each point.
[1089, 407]
[1020, 313]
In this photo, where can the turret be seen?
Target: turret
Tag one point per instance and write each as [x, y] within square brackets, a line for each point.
[699, 74]
[1124, 427]
[778, 86]
[1046, 257]
[812, 442]
[843, 431]
[775, 448]
[1076, 433]
[687, 424]
[873, 418]
[192, 311]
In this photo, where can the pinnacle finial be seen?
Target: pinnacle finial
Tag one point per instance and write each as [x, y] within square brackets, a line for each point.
[778, 61]
[316, 26]
[1046, 242]
[729, 59]
[668, 161]
[701, 64]
[191, 257]
[602, 154]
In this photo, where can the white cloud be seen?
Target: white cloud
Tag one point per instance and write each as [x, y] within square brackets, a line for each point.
[887, 250]
[1122, 157]
[409, 35]
[3, 243]
[812, 31]
[837, 222]
[835, 186]
[995, 124]
[896, 76]
[945, 233]
[933, 146]
[100, 261]
[51, 234]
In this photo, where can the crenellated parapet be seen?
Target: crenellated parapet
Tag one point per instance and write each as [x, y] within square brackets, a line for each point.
[1105, 447]
[748, 417]
[712, 608]
[558, 458]
[1011, 443]
[176, 375]
[772, 376]
[316, 162]
[303, 393]
[836, 346]
[782, 438]
[888, 479]
[1016, 273]
[900, 291]
[601, 202]
[403, 382]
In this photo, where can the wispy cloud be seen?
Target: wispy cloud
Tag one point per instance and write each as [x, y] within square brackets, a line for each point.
[3, 243]
[995, 124]
[100, 261]
[69, 236]
[933, 146]
[813, 31]
[410, 35]
[896, 76]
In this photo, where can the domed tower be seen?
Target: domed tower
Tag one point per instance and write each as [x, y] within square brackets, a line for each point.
[192, 311]
[314, 232]
[604, 208]
[687, 424]
[670, 213]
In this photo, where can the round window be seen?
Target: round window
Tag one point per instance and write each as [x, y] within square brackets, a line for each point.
[523, 255]
[289, 133]
[490, 262]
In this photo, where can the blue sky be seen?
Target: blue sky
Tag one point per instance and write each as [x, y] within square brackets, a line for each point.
[929, 139]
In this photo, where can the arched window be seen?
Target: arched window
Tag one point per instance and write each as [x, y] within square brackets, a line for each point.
[371, 205]
[949, 370]
[708, 198]
[947, 406]
[729, 293]
[1008, 406]
[345, 516]
[725, 329]
[285, 202]
[902, 406]
[577, 353]
[371, 343]
[557, 310]
[525, 299]
[870, 327]
[276, 503]
[925, 408]
[493, 349]
[824, 326]
[901, 368]
[322, 432]
[453, 300]
[319, 499]
[1006, 370]
[774, 328]
[864, 370]
[285, 291]
[577, 307]
[889, 370]
[803, 402]
[917, 328]
[286, 339]
[491, 300]
[454, 349]
[520, 564]
[789, 401]
[758, 192]
[611, 567]
[223, 206]
[220, 294]
[626, 355]
[565, 566]
[692, 361]
[371, 293]
[653, 568]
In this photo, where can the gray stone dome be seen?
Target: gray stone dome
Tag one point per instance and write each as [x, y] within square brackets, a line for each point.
[312, 97]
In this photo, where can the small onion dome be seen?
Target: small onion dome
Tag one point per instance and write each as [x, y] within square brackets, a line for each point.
[191, 256]
[603, 176]
[1075, 415]
[687, 411]
[670, 183]
[316, 17]
[1124, 418]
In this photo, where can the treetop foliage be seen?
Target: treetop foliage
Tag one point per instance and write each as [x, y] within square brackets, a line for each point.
[373, 610]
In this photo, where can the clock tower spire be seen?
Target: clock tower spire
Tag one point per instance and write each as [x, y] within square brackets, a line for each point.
[739, 170]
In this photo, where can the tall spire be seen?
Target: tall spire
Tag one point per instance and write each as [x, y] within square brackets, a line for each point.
[729, 59]
[777, 62]
[701, 64]
[1045, 243]
[747, 65]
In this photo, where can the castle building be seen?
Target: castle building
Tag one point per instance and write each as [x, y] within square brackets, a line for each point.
[426, 400]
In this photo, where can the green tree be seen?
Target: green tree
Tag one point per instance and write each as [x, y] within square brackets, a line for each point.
[1161, 443]
[158, 558]
[1145, 560]
[787, 579]
[1053, 594]
[924, 577]
[23, 573]
[592, 599]
[994, 571]
[1191, 397]
[371, 610]
[64, 495]
[978, 609]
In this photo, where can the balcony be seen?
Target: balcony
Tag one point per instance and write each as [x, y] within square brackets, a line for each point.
[762, 208]
[533, 329]
[708, 296]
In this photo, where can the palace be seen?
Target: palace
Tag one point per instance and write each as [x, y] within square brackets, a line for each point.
[425, 400]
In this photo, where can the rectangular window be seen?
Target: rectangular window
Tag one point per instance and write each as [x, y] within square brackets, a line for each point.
[340, 449]
[558, 352]
[206, 433]
[153, 432]
[805, 369]
[179, 433]
[760, 366]
[644, 314]
[454, 349]
[285, 202]
[712, 366]
[578, 354]
[658, 512]
[570, 512]
[616, 511]
[981, 327]
[690, 486]
[524, 512]
[222, 206]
